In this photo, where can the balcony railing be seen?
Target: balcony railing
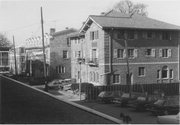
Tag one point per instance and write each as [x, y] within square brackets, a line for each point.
[81, 60]
[92, 61]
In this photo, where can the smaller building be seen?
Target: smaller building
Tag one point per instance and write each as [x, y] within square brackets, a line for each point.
[20, 60]
[4, 60]
[79, 68]
[60, 51]
[34, 56]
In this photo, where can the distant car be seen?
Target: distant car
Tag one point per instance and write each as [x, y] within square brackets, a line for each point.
[169, 119]
[140, 103]
[55, 84]
[164, 106]
[126, 97]
[108, 96]
[105, 96]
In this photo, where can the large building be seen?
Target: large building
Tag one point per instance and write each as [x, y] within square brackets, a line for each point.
[60, 51]
[117, 44]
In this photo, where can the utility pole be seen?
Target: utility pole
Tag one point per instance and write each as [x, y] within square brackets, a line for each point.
[127, 61]
[15, 56]
[45, 80]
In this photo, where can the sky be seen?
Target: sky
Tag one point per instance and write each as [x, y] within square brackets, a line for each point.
[21, 18]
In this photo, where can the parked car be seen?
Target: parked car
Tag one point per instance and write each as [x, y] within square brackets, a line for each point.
[126, 97]
[55, 84]
[108, 96]
[140, 103]
[169, 119]
[165, 106]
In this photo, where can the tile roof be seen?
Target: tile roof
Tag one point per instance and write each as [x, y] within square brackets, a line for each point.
[114, 19]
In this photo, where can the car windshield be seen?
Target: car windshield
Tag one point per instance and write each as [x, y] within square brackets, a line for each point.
[141, 98]
[159, 102]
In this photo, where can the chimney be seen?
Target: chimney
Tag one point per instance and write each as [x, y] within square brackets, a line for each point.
[52, 30]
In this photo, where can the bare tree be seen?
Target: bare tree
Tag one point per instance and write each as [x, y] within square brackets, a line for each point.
[128, 7]
[4, 42]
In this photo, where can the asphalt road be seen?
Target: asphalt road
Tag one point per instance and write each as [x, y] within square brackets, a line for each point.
[115, 110]
[23, 105]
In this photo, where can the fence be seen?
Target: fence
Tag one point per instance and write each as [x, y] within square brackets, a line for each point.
[167, 88]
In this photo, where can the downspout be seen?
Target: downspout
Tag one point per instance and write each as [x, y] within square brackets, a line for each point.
[111, 54]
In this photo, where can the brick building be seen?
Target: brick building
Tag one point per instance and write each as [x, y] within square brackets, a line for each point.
[79, 68]
[60, 51]
[151, 49]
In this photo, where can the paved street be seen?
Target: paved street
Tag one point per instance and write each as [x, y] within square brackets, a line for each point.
[23, 105]
[109, 109]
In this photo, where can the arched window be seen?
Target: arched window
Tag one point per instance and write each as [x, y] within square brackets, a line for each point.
[165, 72]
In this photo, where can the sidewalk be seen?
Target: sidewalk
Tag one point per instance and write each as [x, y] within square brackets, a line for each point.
[67, 95]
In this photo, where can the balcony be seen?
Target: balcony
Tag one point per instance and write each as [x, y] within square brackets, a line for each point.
[81, 60]
[92, 61]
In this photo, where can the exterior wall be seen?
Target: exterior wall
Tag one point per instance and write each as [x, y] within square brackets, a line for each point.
[151, 64]
[99, 45]
[58, 43]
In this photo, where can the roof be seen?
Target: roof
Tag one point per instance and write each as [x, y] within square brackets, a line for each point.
[4, 48]
[114, 19]
[64, 32]
[75, 34]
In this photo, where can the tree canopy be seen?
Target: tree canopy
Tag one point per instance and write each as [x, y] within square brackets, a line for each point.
[4, 41]
[128, 7]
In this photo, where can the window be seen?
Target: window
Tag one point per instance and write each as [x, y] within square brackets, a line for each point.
[132, 53]
[78, 74]
[150, 52]
[165, 72]
[116, 78]
[150, 35]
[165, 53]
[4, 58]
[79, 54]
[120, 35]
[120, 53]
[68, 42]
[60, 69]
[94, 54]
[65, 54]
[94, 35]
[97, 77]
[131, 35]
[141, 71]
[21, 50]
[90, 76]
[158, 74]
[170, 73]
[166, 36]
